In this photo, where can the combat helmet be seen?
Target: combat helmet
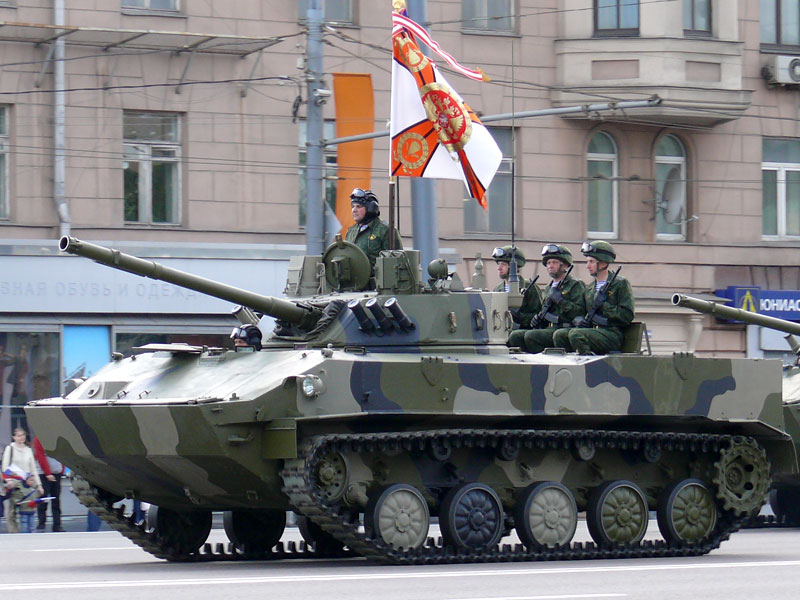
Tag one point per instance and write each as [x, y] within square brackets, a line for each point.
[556, 251]
[367, 199]
[503, 254]
[600, 250]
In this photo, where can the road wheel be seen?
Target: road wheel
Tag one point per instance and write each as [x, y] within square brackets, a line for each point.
[254, 531]
[471, 517]
[398, 514]
[687, 512]
[546, 515]
[617, 513]
[324, 543]
[183, 532]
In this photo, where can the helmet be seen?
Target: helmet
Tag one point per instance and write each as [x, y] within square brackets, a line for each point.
[561, 253]
[600, 250]
[251, 334]
[504, 255]
[367, 199]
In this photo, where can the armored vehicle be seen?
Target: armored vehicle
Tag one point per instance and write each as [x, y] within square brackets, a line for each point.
[382, 401]
[784, 497]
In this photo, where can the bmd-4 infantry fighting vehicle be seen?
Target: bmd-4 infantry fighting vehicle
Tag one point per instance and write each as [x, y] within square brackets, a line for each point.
[369, 412]
[785, 495]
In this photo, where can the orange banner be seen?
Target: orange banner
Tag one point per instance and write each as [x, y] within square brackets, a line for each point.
[355, 114]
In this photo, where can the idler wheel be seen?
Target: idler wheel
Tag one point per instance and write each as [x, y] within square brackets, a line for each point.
[324, 543]
[617, 513]
[331, 475]
[398, 514]
[687, 512]
[182, 532]
[471, 517]
[546, 515]
[254, 531]
[742, 477]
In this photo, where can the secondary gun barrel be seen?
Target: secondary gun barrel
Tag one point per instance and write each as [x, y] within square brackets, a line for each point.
[736, 314]
[275, 307]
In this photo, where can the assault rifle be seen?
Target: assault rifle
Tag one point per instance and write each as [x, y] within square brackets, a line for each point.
[525, 295]
[545, 315]
[599, 300]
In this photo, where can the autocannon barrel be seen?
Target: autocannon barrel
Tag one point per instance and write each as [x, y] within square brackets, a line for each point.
[275, 307]
[736, 314]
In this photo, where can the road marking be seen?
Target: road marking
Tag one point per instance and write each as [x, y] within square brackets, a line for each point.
[401, 573]
[551, 597]
[84, 549]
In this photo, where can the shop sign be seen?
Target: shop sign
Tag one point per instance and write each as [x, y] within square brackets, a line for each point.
[781, 304]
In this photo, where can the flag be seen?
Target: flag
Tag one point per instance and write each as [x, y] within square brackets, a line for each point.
[434, 132]
[35, 502]
[14, 472]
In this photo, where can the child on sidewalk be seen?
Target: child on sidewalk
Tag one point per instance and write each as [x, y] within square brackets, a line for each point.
[26, 498]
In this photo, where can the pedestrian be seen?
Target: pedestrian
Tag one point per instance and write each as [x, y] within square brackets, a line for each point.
[24, 497]
[19, 455]
[609, 306]
[531, 295]
[369, 233]
[50, 473]
[563, 302]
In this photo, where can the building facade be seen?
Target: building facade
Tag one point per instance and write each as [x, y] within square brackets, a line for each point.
[175, 130]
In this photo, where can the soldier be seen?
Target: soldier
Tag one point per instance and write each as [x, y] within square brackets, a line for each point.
[531, 296]
[609, 302]
[369, 233]
[564, 301]
[246, 336]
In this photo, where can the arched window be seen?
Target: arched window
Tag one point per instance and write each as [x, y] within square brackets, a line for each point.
[602, 170]
[670, 189]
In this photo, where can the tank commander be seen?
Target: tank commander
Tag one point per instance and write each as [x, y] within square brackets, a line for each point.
[531, 296]
[563, 302]
[246, 336]
[369, 233]
[609, 306]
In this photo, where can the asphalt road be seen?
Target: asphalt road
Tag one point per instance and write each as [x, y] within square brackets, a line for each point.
[752, 565]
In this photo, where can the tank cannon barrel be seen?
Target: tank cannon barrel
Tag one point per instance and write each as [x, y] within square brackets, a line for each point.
[736, 314]
[274, 307]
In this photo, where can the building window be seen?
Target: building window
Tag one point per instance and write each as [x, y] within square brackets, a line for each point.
[333, 11]
[151, 166]
[781, 188]
[487, 15]
[3, 162]
[670, 189]
[616, 17]
[497, 219]
[697, 17]
[166, 5]
[329, 174]
[29, 370]
[780, 22]
[602, 170]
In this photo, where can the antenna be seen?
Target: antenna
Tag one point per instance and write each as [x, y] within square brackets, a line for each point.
[671, 204]
[671, 200]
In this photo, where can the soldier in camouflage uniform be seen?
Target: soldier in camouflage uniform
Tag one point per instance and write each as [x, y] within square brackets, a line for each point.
[531, 296]
[369, 233]
[600, 330]
[564, 301]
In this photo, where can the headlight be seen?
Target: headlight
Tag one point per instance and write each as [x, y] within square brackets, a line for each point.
[312, 386]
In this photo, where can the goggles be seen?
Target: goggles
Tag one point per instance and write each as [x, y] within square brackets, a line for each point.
[551, 249]
[358, 194]
[587, 247]
[501, 253]
[239, 333]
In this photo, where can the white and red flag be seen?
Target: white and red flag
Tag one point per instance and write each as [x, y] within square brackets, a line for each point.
[434, 132]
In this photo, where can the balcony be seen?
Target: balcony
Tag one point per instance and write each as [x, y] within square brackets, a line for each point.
[698, 79]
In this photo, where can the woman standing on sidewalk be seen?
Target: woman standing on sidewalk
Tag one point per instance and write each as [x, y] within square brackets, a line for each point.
[20, 454]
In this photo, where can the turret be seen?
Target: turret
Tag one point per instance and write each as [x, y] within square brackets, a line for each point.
[303, 316]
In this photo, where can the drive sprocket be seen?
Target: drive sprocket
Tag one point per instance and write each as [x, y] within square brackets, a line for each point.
[742, 476]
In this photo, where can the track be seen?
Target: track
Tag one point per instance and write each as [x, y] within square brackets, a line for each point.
[337, 520]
